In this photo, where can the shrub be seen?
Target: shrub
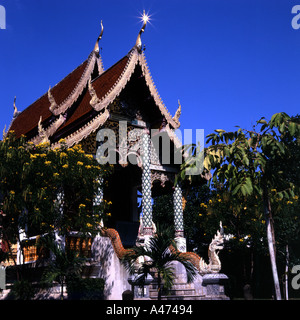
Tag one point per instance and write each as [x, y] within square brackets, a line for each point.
[85, 288]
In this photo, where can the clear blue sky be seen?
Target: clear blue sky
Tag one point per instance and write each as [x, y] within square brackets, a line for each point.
[229, 62]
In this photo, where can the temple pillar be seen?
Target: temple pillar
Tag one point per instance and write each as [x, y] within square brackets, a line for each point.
[146, 187]
[99, 197]
[99, 193]
[178, 219]
[60, 239]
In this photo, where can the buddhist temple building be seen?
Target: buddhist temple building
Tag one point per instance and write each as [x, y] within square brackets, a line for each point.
[81, 109]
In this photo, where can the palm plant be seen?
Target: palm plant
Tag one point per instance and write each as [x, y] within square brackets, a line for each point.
[65, 263]
[159, 254]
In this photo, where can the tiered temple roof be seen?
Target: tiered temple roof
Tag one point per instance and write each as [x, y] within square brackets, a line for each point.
[80, 103]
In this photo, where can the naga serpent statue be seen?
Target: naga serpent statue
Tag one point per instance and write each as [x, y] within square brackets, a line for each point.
[213, 266]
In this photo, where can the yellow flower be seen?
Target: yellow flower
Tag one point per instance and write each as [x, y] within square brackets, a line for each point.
[43, 144]
[80, 163]
[12, 192]
[289, 202]
[82, 206]
[63, 154]
[296, 198]
[210, 201]
[65, 166]
[263, 221]
[89, 225]
[273, 190]
[200, 214]
[89, 156]
[47, 163]
[55, 174]
[241, 240]
[62, 141]
[108, 214]
[219, 200]
[33, 156]
[88, 167]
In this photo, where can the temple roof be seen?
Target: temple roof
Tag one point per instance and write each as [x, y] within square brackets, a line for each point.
[79, 104]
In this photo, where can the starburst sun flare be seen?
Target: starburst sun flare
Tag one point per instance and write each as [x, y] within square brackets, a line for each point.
[145, 17]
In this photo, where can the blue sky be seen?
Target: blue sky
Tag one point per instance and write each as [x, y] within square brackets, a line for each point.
[229, 62]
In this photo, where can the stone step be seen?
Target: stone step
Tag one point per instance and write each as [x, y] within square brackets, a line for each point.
[175, 292]
[178, 297]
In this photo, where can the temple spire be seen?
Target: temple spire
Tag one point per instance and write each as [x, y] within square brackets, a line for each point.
[96, 48]
[145, 19]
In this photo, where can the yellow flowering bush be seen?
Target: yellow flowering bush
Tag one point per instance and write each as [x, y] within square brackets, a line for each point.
[33, 176]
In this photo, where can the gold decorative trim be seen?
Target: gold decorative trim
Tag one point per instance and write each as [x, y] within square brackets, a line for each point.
[53, 104]
[120, 84]
[50, 130]
[95, 100]
[134, 57]
[154, 92]
[73, 96]
[87, 129]
[177, 115]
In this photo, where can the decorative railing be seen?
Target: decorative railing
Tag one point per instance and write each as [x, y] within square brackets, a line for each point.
[33, 252]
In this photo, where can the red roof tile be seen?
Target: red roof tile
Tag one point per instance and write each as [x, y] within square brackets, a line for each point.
[28, 119]
[102, 85]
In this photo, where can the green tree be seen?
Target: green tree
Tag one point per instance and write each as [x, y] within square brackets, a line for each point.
[159, 254]
[31, 179]
[250, 162]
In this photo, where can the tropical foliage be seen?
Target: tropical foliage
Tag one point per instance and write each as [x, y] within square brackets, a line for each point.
[258, 168]
[158, 257]
[38, 183]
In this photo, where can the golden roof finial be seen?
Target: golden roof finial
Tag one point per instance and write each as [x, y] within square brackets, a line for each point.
[145, 19]
[42, 132]
[96, 48]
[178, 113]
[16, 112]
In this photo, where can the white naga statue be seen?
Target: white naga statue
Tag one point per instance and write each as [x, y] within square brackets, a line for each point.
[214, 265]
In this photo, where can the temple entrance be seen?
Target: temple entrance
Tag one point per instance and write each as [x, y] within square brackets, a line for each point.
[122, 190]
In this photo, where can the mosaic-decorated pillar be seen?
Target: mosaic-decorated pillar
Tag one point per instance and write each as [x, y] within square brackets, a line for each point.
[146, 186]
[99, 196]
[99, 193]
[59, 238]
[178, 219]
